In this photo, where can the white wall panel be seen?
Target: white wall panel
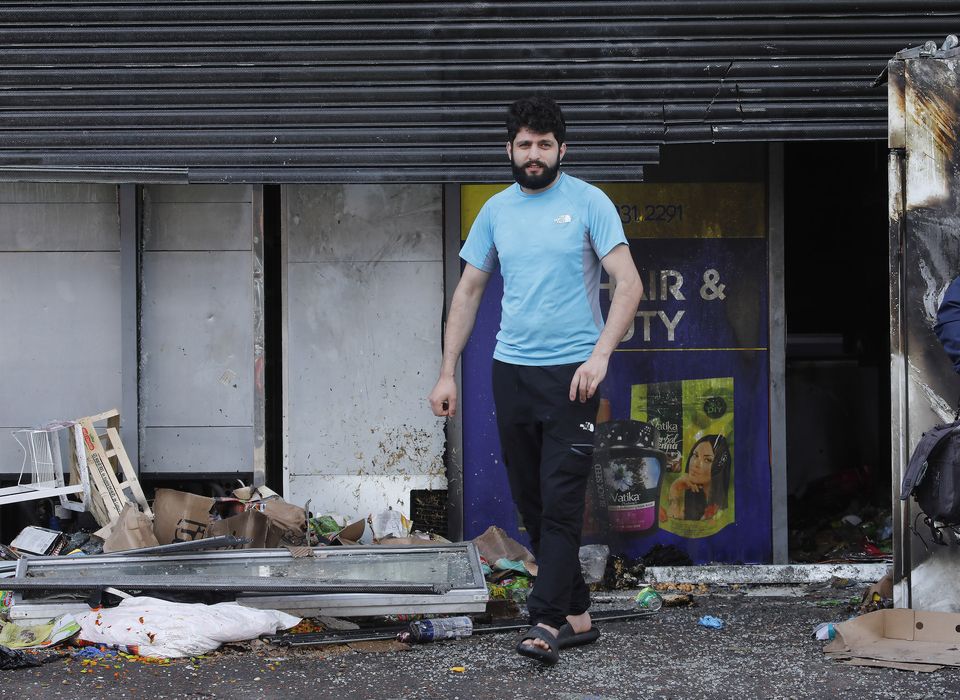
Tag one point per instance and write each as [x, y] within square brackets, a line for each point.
[60, 305]
[197, 339]
[194, 450]
[197, 330]
[363, 309]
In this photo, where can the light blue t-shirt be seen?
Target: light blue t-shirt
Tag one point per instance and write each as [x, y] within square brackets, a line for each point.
[549, 246]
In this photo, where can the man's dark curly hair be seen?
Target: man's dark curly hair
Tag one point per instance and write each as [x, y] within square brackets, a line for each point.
[539, 114]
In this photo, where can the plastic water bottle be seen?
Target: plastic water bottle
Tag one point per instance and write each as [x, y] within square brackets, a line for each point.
[441, 628]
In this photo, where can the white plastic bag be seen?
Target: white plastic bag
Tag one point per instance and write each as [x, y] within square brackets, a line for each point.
[153, 627]
[389, 523]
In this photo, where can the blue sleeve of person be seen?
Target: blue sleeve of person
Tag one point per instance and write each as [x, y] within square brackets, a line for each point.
[479, 249]
[606, 229]
[947, 327]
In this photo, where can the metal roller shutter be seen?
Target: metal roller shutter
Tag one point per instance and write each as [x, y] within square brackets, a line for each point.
[415, 91]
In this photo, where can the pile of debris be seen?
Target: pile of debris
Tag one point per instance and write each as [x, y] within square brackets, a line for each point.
[182, 573]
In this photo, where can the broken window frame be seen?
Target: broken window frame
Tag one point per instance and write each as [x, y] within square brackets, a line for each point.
[334, 595]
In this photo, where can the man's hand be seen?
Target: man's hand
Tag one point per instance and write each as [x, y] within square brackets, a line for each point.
[588, 377]
[443, 398]
[623, 308]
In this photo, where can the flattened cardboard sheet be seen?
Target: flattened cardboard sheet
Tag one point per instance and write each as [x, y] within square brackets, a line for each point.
[899, 637]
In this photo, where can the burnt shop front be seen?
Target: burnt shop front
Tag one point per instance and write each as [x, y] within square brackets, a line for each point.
[697, 364]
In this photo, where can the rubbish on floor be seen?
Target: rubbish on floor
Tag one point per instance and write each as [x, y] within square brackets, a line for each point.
[288, 520]
[333, 529]
[133, 529]
[160, 628]
[710, 621]
[251, 525]
[42, 610]
[623, 573]
[39, 540]
[462, 588]
[677, 600]
[42, 452]
[88, 653]
[825, 631]
[878, 596]
[496, 544]
[434, 629]
[593, 562]
[326, 525]
[180, 516]
[389, 523]
[100, 458]
[218, 542]
[512, 588]
[826, 531]
[901, 638]
[14, 658]
[386, 633]
[347, 581]
[101, 474]
[16, 636]
[648, 599]
[524, 568]
[81, 542]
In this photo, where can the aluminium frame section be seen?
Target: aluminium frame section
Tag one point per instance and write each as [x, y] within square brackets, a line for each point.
[259, 342]
[472, 598]
[777, 333]
[199, 584]
[454, 425]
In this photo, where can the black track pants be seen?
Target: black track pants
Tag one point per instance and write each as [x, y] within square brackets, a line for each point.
[539, 427]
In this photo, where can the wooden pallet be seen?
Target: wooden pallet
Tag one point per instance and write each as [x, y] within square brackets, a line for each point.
[113, 481]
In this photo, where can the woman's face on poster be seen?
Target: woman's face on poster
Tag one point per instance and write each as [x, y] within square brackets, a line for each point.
[701, 463]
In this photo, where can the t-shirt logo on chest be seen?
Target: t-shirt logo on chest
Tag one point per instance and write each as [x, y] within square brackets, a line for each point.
[563, 219]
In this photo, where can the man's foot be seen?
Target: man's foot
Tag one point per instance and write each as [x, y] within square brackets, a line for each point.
[577, 631]
[540, 643]
[580, 623]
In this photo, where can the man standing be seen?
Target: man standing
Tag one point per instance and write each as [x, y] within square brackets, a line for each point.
[549, 233]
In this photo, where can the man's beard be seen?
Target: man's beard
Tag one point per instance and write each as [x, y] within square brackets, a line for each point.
[534, 182]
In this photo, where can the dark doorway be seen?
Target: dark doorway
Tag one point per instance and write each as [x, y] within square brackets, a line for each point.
[837, 354]
[273, 336]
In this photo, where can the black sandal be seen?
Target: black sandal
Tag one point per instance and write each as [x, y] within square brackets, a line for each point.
[548, 656]
[567, 638]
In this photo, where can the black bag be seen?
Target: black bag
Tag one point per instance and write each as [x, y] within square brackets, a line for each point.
[933, 478]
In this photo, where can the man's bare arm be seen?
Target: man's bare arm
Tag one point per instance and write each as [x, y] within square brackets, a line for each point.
[460, 320]
[623, 309]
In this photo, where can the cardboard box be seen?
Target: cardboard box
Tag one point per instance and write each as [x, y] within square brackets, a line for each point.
[180, 516]
[252, 524]
[906, 639]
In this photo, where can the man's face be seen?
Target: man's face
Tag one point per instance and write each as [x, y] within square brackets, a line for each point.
[535, 159]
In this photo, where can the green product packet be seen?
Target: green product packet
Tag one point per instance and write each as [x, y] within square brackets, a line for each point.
[695, 421]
